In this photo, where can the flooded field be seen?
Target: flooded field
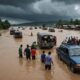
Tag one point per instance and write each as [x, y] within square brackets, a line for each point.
[13, 68]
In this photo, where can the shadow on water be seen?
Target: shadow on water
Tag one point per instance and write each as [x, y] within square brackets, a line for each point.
[29, 67]
[34, 64]
[17, 40]
[48, 75]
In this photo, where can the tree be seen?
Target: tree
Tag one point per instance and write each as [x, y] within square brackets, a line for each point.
[60, 24]
[1, 24]
[4, 25]
[43, 25]
[71, 21]
[76, 22]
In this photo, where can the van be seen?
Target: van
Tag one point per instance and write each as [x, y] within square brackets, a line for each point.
[45, 40]
[18, 34]
[12, 31]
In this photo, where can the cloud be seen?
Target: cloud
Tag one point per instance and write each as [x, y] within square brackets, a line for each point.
[11, 9]
[53, 8]
[16, 2]
[39, 10]
[67, 1]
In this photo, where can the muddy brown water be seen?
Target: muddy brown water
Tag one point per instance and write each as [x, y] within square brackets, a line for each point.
[13, 68]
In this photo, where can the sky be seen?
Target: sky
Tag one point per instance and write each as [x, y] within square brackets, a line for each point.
[21, 11]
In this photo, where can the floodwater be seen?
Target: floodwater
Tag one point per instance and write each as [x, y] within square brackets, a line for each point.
[13, 68]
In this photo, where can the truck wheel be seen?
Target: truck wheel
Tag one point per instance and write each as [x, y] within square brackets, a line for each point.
[72, 68]
[59, 57]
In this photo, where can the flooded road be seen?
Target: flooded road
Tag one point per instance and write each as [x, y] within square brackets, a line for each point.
[13, 68]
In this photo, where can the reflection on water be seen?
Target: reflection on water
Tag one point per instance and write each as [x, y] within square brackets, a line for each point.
[28, 66]
[48, 75]
[21, 61]
[34, 64]
[17, 40]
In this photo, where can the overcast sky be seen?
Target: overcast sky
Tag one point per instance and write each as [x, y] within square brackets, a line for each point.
[19, 11]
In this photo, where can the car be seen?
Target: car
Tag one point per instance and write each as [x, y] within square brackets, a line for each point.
[70, 55]
[12, 31]
[51, 29]
[39, 27]
[31, 28]
[18, 27]
[18, 34]
[44, 28]
[46, 41]
[60, 31]
[35, 27]
[23, 28]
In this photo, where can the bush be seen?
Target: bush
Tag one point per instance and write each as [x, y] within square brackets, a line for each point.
[4, 24]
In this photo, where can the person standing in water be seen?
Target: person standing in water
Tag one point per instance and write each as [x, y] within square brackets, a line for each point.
[27, 52]
[48, 61]
[33, 53]
[20, 51]
[34, 45]
[31, 34]
[43, 57]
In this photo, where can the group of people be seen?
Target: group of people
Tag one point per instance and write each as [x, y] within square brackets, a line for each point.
[30, 53]
[72, 40]
[49, 39]
[47, 60]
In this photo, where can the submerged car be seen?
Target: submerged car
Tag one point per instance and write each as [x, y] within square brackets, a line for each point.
[70, 54]
[45, 40]
[23, 28]
[31, 28]
[39, 27]
[18, 27]
[12, 31]
[18, 34]
[51, 29]
[35, 27]
[60, 31]
[44, 28]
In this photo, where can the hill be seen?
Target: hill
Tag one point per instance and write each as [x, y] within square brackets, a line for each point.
[36, 23]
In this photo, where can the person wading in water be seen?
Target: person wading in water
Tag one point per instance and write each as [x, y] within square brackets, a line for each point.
[27, 52]
[20, 51]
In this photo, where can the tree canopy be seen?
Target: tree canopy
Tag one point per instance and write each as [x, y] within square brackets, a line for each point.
[4, 24]
[68, 22]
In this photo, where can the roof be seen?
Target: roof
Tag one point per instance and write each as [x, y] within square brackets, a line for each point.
[43, 34]
[70, 46]
[18, 32]
[12, 29]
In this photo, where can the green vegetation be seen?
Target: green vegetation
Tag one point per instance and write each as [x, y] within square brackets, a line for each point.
[4, 24]
[62, 24]
[43, 25]
[68, 22]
